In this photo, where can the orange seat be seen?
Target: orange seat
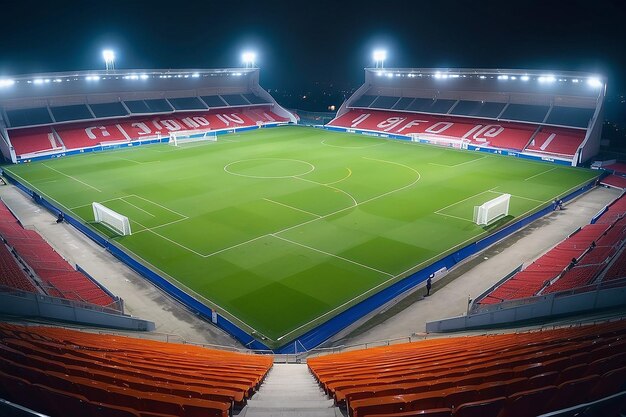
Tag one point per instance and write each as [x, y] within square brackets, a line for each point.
[528, 403]
[485, 408]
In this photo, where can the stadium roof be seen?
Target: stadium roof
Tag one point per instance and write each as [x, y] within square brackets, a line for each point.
[77, 83]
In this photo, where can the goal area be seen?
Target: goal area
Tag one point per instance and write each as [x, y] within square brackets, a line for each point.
[492, 210]
[191, 136]
[111, 219]
[439, 141]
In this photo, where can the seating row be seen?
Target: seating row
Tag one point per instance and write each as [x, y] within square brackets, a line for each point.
[54, 370]
[76, 112]
[573, 263]
[553, 115]
[58, 277]
[93, 133]
[508, 135]
[518, 374]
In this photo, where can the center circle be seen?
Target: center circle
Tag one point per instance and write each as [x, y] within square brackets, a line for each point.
[269, 168]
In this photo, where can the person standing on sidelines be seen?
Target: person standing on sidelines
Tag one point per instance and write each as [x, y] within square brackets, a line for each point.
[429, 284]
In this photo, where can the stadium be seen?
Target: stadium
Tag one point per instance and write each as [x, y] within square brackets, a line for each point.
[178, 243]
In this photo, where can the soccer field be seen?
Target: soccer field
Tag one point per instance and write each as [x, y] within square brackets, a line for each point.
[284, 228]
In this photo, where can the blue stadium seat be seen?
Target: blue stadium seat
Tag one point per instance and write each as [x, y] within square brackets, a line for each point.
[441, 106]
[73, 112]
[108, 109]
[29, 117]
[478, 109]
[254, 99]
[234, 99]
[384, 102]
[187, 103]
[214, 101]
[403, 103]
[420, 104]
[363, 101]
[525, 113]
[570, 116]
[149, 106]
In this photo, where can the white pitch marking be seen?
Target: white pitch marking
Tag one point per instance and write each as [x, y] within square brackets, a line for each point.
[234, 246]
[137, 207]
[351, 147]
[331, 254]
[291, 207]
[148, 229]
[454, 217]
[355, 203]
[158, 205]
[458, 165]
[74, 178]
[516, 196]
[460, 201]
[269, 177]
[344, 178]
[541, 173]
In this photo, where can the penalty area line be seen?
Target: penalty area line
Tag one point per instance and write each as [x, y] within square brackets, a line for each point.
[73, 178]
[291, 207]
[332, 255]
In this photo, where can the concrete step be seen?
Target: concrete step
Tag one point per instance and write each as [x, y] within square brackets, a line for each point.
[290, 404]
[284, 395]
[289, 390]
[290, 413]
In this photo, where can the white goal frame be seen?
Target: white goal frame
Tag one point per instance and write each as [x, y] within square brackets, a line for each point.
[111, 219]
[191, 136]
[492, 210]
[440, 141]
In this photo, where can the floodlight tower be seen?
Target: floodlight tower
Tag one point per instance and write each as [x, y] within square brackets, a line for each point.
[109, 59]
[248, 58]
[380, 55]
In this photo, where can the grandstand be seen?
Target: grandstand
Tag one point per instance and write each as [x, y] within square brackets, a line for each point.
[531, 114]
[284, 237]
[84, 111]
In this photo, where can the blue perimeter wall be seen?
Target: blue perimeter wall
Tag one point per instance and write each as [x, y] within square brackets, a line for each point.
[324, 331]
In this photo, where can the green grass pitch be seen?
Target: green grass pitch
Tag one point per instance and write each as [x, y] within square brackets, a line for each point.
[284, 228]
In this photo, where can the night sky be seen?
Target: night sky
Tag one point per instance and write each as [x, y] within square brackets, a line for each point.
[299, 43]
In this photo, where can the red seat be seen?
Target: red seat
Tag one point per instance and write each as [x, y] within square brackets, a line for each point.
[109, 410]
[573, 392]
[609, 384]
[435, 412]
[544, 379]
[529, 403]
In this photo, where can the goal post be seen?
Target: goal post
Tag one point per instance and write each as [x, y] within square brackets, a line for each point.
[111, 219]
[439, 141]
[492, 210]
[191, 136]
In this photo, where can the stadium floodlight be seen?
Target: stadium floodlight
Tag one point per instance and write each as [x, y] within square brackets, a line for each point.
[380, 55]
[38, 81]
[109, 59]
[248, 58]
[524, 78]
[503, 77]
[594, 82]
[547, 79]
[6, 83]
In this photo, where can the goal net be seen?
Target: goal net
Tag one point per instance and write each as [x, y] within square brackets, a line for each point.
[439, 141]
[492, 210]
[191, 136]
[111, 219]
